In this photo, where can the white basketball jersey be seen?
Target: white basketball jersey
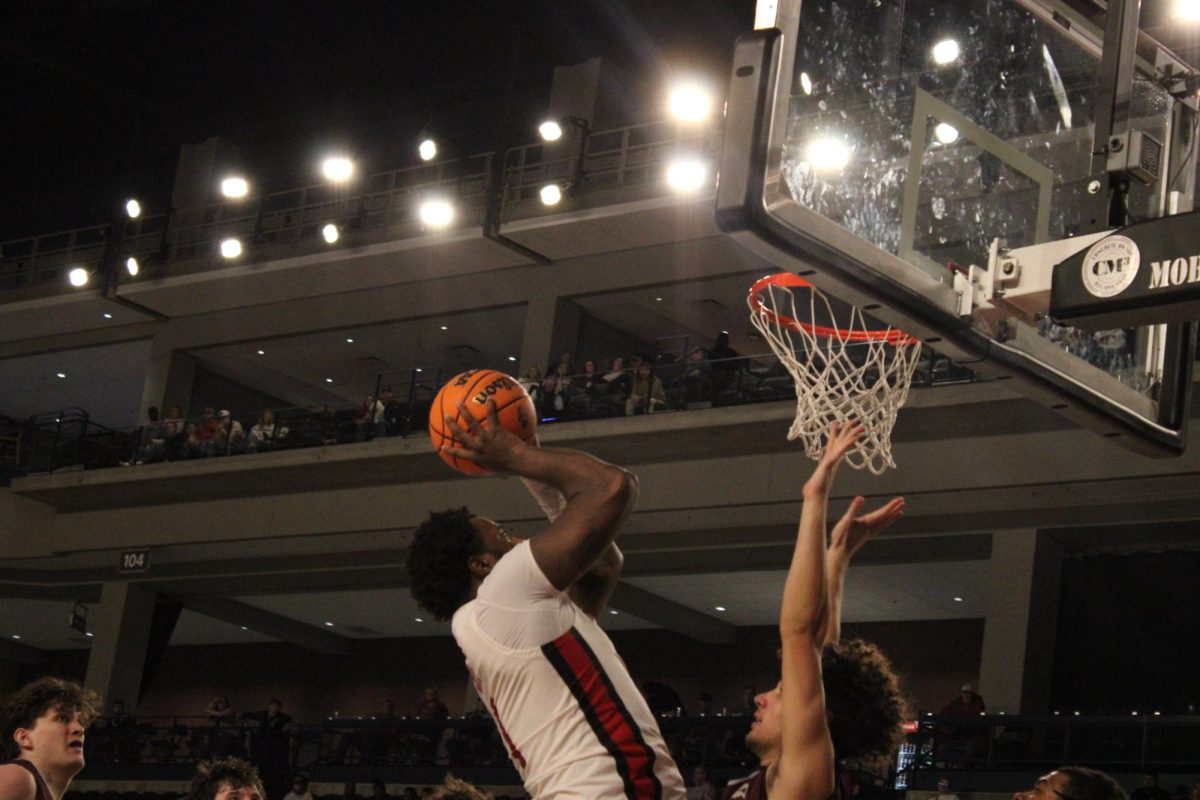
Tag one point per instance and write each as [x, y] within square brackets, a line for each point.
[574, 722]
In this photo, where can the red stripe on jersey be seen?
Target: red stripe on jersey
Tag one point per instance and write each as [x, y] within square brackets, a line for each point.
[606, 713]
[514, 753]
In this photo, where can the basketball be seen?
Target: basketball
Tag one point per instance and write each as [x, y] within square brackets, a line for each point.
[474, 388]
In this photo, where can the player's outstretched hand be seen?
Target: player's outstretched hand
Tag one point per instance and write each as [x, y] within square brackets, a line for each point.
[491, 446]
[854, 530]
[839, 440]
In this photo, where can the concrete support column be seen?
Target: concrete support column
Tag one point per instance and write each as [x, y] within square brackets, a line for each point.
[1017, 663]
[121, 634]
[551, 326]
[169, 379]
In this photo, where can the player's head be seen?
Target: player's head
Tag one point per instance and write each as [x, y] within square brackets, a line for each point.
[451, 552]
[1073, 783]
[454, 789]
[863, 705]
[44, 721]
[226, 779]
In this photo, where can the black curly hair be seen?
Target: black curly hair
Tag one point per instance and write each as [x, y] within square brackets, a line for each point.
[25, 706]
[862, 695]
[1090, 784]
[437, 561]
[232, 772]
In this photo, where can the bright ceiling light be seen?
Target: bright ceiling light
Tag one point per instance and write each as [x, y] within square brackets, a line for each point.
[550, 131]
[427, 150]
[945, 52]
[234, 187]
[337, 169]
[946, 133]
[61, 374]
[687, 174]
[551, 195]
[690, 102]
[231, 248]
[133, 208]
[132, 266]
[107, 315]
[805, 83]
[1187, 9]
[330, 232]
[436, 213]
[828, 154]
[78, 276]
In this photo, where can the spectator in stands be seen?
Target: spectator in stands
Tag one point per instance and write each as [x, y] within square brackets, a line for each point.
[551, 402]
[232, 434]
[725, 363]
[42, 727]
[299, 790]
[388, 407]
[115, 734]
[454, 789]
[1150, 790]
[150, 439]
[176, 416]
[590, 388]
[943, 790]
[702, 788]
[695, 385]
[226, 779]
[1073, 783]
[364, 418]
[264, 432]
[960, 742]
[207, 433]
[566, 383]
[219, 712]
[646, 394]
[388, 711]
[532, 381]
[270, 746]
[379, 790]
[614, 388]
[431, 706]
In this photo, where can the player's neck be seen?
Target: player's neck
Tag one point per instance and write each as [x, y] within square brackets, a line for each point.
[57, 779]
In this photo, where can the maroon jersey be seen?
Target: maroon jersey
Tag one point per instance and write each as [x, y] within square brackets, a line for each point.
[43, 791]
[751, 787]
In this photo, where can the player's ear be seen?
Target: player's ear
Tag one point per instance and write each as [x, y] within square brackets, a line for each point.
[23, 739]
[481, 564]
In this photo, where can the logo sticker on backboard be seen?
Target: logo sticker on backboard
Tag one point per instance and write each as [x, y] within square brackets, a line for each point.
[1110, 266]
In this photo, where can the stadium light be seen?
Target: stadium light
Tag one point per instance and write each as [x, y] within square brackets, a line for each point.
[132, 266]
[427, 149]
[551, 194]
[686, 174]
[79, 277]
[133, 208]
[945, 52]
[331, 233]
[235, 187]
[1187, 9]
[550, 131]
[828, 154]
[436, 214]
[231, 248]
[338, 169]
[690, 102]
[946, 133]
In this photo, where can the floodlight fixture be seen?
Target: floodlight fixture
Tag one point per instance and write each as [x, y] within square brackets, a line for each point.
[551, 194]
[946, 52]
[427, 149]
[436, 213]
[235, 187]
[945, 133]
[1187, 9]
[133, 208]
[828, 154]
[231, 248]
[338, 169]
[79, 277]
[550, 131]
[331, 233]
[687, 174]
[690, 102]
[132, 266]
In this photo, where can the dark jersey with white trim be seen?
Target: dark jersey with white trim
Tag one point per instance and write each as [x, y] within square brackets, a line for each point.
[43, 790]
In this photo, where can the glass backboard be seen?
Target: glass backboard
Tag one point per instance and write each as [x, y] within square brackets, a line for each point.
[877, 146]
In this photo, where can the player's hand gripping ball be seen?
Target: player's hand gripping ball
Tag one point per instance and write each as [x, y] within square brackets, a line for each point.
[473, 389]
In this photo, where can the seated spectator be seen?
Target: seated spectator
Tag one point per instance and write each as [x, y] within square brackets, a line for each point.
[725, 363]
[702, 788]
[615, 387]
[531, 380]
[175, 444]
[589, 383]
[566, 383]
[205, 435]
[231, 433]
[176, 416]
[151, 433]
[646, 393]
[431, 706]
[115, 734]
[265, 432]
[220, 713]
[386, 411]
[551, 402]
[364, 418]
[695, 385]
[193, 441]
[299, 790]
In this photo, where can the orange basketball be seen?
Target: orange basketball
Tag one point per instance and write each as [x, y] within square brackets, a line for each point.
[474, 388]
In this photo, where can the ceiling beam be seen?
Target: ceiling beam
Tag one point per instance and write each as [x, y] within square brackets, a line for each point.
[20, 653]
[671, 615]
[270, 623]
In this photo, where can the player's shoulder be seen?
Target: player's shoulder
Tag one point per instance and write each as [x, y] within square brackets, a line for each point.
[16, 782]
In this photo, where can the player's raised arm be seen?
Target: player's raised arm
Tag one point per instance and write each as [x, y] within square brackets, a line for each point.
[849, 534]
[599, 496]
[804, 768]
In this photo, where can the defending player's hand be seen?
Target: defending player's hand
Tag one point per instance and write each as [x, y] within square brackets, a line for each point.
[840, 439]
[854, 530]
[491, 446]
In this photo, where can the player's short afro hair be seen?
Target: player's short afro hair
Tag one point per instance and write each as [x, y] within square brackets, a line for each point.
[437, 561]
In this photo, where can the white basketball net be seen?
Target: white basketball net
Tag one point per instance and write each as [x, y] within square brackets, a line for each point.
[844, 374]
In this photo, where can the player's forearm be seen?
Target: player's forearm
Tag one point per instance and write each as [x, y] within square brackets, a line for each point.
[570, 472]
[804, 594]
[835, 577]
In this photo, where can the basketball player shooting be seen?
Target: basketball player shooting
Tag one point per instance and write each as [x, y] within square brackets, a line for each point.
[791, 733]
[523, 613]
